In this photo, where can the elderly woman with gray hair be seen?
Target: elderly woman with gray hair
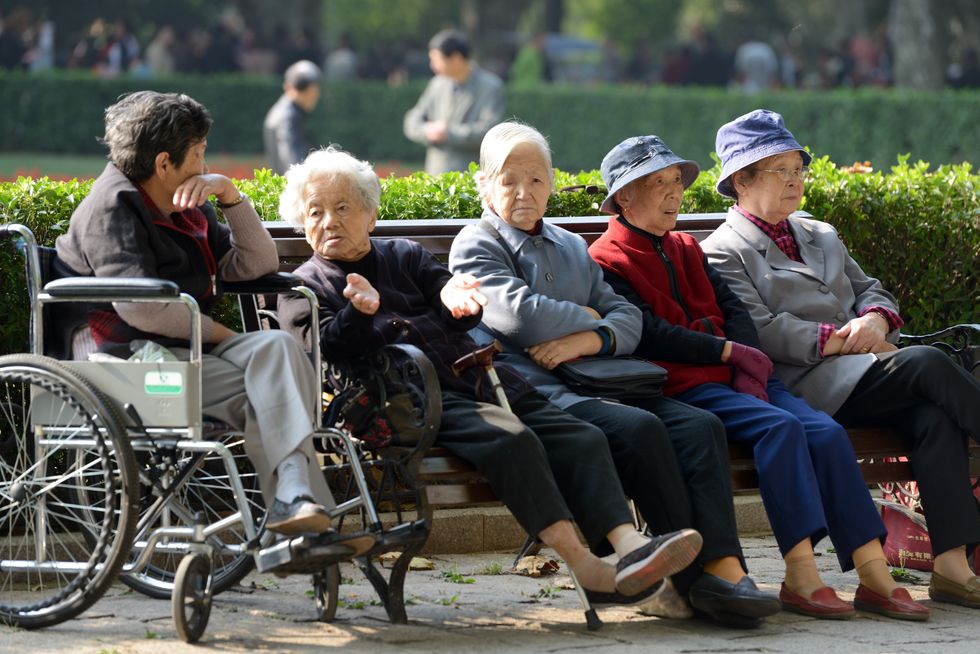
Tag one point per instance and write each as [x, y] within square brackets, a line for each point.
[546, 466]
[831, 330]
[547, 304]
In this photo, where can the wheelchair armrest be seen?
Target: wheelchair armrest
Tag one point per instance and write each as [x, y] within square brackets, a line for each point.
[273, 283]
[112, 288]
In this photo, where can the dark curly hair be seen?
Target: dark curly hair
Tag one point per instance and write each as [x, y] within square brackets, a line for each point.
[141, 125]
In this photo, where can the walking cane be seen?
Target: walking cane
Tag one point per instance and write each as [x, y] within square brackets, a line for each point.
[484, 359]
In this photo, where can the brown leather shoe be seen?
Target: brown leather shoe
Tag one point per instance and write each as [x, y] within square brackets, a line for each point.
[942, 589]
[900, 605]
[822, 603]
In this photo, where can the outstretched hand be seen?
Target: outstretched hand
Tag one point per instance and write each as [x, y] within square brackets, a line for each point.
[461, 297]
[361, 294]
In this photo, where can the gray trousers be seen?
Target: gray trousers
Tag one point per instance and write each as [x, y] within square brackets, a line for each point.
[263, 384]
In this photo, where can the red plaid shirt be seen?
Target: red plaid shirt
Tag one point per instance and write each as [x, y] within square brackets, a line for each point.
[782, 236]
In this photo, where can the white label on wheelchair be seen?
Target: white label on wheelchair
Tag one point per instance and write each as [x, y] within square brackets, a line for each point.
[163, 383]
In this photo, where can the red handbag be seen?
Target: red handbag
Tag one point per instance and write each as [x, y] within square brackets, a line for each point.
[908, 544]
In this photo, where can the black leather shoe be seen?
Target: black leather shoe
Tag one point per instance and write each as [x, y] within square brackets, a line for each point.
[598, 598]
[737, 605]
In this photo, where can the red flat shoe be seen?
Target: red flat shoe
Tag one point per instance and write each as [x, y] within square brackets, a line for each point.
[823, 603]
[900, 605]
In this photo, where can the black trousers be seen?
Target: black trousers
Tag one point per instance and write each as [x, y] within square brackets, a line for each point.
[935, 405]
[541, 462]
[672, 460]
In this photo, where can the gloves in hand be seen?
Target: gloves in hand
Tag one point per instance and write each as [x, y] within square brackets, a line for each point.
[743, 382]
[752, 362]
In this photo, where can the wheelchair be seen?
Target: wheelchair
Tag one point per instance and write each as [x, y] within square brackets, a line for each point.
[109, 470]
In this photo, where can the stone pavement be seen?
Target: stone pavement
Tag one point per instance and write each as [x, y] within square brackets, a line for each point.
[495, 613]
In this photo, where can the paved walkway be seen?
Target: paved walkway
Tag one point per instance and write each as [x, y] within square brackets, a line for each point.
[495, 613]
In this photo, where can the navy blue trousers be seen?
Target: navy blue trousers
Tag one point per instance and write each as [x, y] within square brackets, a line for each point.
[809, 478]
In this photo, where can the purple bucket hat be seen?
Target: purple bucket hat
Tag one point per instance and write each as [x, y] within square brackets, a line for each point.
[749, 138]
[636, 157]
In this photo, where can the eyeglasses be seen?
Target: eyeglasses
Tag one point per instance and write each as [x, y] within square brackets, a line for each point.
[788, 175]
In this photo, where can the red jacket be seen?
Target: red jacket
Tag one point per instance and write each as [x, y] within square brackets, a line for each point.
[668, 274]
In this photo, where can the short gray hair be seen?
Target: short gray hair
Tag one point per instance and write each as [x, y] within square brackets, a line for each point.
[500, 141]
[328, 162]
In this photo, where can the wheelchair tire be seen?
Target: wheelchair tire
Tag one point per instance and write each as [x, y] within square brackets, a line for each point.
[326, 592]
[191, 599]
[51, 412]
[208, 490]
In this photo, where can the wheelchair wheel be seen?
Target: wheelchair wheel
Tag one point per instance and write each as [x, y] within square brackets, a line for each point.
[58, 557]
[326, 592]
[191, 601]
[207, 490]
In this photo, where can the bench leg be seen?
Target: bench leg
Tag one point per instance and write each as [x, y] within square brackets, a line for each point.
[392, 591]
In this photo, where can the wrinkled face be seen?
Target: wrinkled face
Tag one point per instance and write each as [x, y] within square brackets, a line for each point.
[192, 165]
[652, 202]
[519, 193]
[336, 223]
[768, 196]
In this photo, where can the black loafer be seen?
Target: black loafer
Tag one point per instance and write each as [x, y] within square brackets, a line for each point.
[737, 605]
[663, 556]
[598, 598]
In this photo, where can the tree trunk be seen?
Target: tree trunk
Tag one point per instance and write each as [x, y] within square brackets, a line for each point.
[916, 44]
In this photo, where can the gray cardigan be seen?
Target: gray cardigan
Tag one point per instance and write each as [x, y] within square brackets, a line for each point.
[789, 300]
[561, 278]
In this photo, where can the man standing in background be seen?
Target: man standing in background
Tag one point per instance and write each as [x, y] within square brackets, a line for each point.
[282, 131]
[457, 108]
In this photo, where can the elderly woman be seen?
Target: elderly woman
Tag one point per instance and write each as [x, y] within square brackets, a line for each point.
[148, 215]
[545, 465]
[548, 304]
[830, 329]
[698, 329]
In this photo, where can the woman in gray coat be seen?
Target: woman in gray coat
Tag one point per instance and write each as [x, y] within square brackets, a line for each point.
[831, 330]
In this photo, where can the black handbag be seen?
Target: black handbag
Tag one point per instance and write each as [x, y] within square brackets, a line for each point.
[617, 378]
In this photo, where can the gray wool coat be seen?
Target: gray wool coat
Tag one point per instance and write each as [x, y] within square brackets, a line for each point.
[789, 300]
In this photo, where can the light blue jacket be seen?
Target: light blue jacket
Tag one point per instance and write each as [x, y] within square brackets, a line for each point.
[561, 279]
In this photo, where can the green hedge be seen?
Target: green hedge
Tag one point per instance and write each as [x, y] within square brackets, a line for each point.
[918, 230]
[62, 112]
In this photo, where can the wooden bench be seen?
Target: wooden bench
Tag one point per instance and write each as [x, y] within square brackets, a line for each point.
[452, 482]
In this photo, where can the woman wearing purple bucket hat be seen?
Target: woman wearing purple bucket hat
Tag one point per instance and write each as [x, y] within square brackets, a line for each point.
[694, 326]
[830, 329]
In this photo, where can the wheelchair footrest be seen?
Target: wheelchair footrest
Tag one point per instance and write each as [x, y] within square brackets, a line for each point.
[302, 555]
[400, 535]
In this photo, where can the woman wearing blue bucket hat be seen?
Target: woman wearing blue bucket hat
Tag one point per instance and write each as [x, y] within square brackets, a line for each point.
[694, 326]
[830, 329]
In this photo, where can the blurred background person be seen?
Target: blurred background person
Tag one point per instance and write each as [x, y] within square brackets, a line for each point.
[282, 132]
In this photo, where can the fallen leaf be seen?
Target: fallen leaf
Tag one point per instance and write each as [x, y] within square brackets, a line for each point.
[535, 566]
[388, 559]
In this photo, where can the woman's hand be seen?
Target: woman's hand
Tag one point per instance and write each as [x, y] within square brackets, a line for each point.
[559, 350]
[864, 334]
[193, 191]
[461, 297]
[361, 294]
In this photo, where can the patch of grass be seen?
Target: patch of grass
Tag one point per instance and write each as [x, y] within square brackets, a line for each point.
[454, 576]
[151, 635]
[412, 600]
[347, 581]
[548, 591]
[269, 584]
[903, 575]
[447, 601]
[352, 604]
[492, 568]
[106, 650]
[309, 593]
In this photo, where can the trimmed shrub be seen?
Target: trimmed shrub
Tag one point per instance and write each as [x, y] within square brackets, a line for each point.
[917, 230]
[62, 112]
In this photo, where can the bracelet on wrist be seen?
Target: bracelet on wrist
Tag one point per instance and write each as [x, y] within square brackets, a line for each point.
[228, 205]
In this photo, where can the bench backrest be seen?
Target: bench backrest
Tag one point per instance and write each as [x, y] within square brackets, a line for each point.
[436, 235]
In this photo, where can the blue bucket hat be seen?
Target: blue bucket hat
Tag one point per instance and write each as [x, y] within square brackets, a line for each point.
[750, 138]
[637, 157]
